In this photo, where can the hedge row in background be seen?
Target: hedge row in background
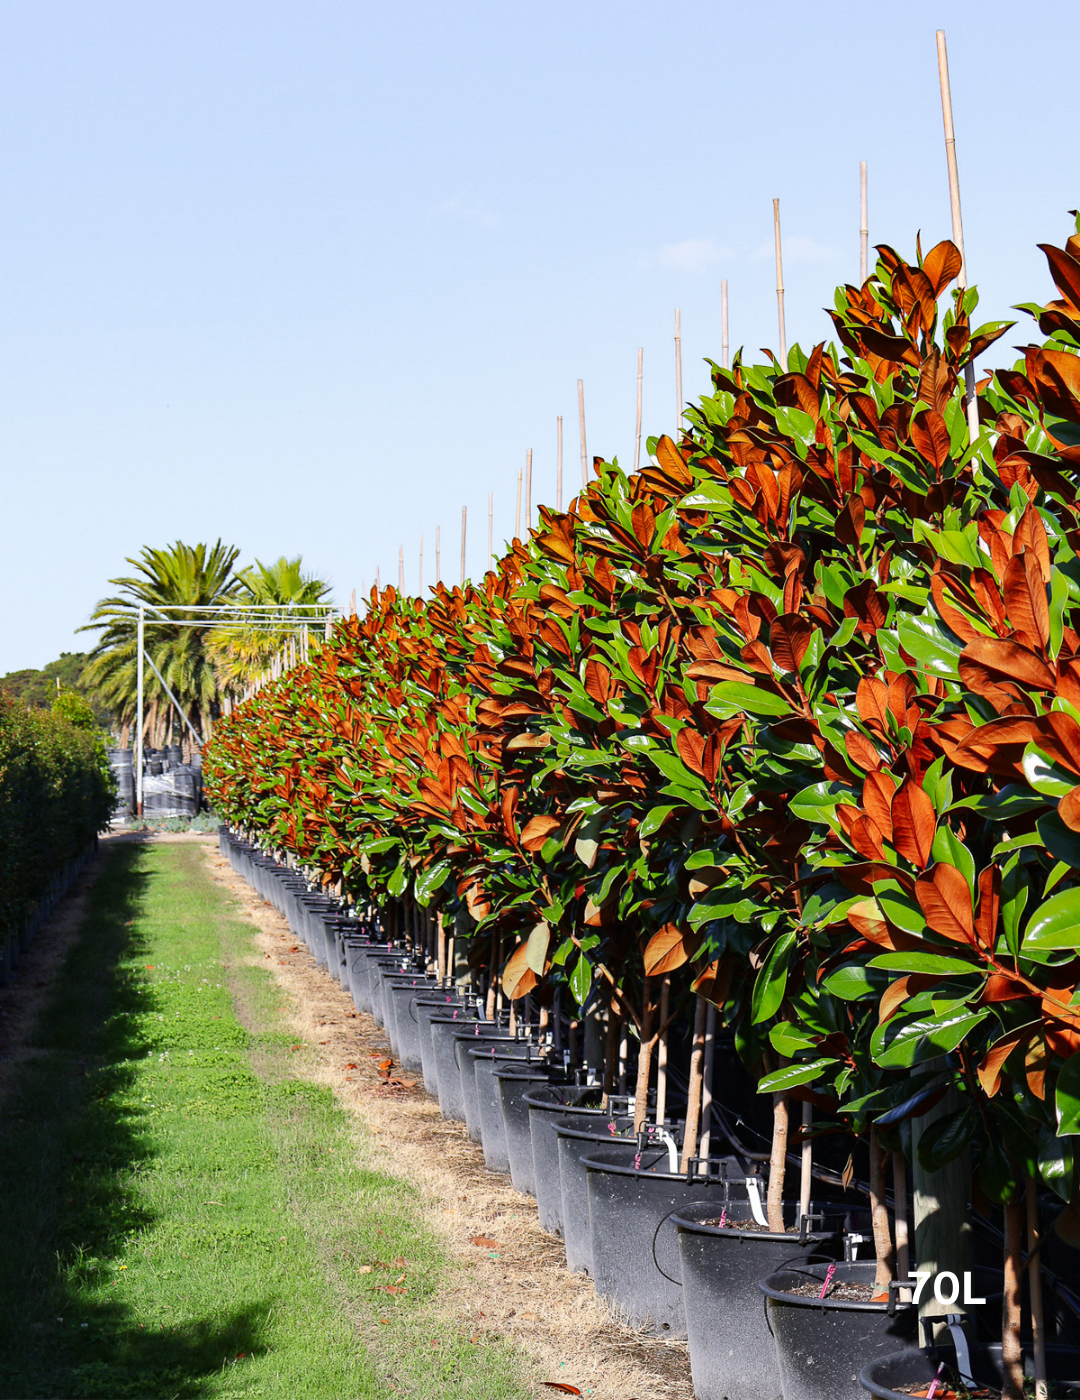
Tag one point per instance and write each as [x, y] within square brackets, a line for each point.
[56, 794]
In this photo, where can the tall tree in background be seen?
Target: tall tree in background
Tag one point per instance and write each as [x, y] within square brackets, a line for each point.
[176, 578]
[242, 653]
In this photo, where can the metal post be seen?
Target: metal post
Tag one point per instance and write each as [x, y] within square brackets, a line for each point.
[139, 716]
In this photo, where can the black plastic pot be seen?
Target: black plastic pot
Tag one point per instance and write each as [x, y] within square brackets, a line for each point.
[505, 1116]
[407, 1033]
[514, 1089]
[389, 978]
[379, 971]
[574, 1141]
[355, 980]
[575, 1105]
[823, 1343]
[445, 1033]
[477, 1064]
[732, 1356]
[361, 975]
[917, 1368]
[635, 1251]
[425, 1009]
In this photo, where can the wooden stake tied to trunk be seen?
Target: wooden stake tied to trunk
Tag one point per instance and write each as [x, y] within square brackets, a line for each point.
[637, 421]
[581, 424]
[780, 286]
[1011, 1352]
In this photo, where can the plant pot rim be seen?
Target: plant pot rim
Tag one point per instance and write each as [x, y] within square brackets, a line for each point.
[798, 1300]
[568, 1107]
[685, 1222]
[980, 1352]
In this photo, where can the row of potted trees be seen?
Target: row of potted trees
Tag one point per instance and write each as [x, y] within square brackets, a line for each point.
[785, 726]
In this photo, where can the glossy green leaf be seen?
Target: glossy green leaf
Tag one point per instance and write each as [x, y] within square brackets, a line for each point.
[793, 1075]
[733, 697]
[1055, 923]
[900, 1044]
[946, 1138]
[581, 980]
[935, 650]
[1067, 1097]
[771, 981]
[936, 964]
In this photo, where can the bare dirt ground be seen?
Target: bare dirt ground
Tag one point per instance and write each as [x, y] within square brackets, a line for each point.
[522, 1289]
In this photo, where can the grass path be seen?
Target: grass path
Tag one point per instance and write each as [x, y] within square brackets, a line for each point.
[184, 1217]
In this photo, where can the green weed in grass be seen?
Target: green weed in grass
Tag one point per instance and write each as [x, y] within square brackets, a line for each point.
[184, 1218]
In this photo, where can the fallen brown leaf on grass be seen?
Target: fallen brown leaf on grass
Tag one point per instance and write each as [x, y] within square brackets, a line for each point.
[484, 1242]
[389, 1288]
[561, 1387]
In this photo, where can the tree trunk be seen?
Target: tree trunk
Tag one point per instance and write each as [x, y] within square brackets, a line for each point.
[693, 1106]
[611, 1049]
[644, 1064]
[943, 1236]
[440, 956]
[1011, 1356]
[1038, 1324]
[778, 1163]
[903, 1253]
[883, 1245]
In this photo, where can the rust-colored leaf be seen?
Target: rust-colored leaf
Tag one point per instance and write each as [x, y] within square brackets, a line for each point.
[561, 1387]
[1030, 534]
[892, 998]
[597, 681]
[671, 459]
[913, 822]
[518, 978]
[1065, 270]
[987, 905]
[1025, 600]
[945, 900]
[484, 1242]
[993, 1062]
[930, 437]
[665, 951]
[789, 637]
[1069, 809]
[851, 521]
[537, 830]
[941, 264]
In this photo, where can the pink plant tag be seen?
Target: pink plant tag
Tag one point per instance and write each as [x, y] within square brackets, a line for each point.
[828, 1279]
[723, 1216]
[934, 1383]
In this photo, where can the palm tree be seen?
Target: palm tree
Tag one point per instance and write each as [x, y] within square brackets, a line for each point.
[241, 653]
[173, 579]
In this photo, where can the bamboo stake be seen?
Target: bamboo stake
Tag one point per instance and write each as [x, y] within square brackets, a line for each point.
[528, 489]
[864, 230]
[463, 511]
[491, 524]
[957, 221]
[517, 517]
[637, 421]
[661, 1053]
[779, 285]
[1038, 1325]
[678, 375]
[421, 574]
[581, 424]
[440, 963]
[352, 603]
[725, 358]
[900, 1215]
[438, 559]
[558, 463]
[401, 568]
[693, 1103]
[805, 1178]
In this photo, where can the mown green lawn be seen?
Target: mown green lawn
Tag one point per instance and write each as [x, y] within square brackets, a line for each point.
[184, 1217]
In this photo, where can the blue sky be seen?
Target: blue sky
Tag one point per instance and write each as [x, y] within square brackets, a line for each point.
[313, 276]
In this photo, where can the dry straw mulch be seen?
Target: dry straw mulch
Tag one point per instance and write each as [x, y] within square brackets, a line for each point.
[520, 1289]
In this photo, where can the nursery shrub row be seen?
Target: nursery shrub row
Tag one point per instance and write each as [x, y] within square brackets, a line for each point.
[787, 724]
